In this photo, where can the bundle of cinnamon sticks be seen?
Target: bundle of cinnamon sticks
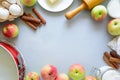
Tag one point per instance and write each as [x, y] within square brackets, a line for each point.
[32, 21]
[112, 59]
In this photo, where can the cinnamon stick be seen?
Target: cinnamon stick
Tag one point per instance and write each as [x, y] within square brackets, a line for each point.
[114, 54]
[39, 15]
[108, 62]
[30, 24]
[112, 59]
[107, 55]
[36, 24]
[34, 20]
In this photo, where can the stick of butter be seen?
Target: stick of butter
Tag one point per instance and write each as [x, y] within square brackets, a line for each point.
[52, 1]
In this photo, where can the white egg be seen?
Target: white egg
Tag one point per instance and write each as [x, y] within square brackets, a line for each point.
[4, 13]
[12, 1]
[15, 9]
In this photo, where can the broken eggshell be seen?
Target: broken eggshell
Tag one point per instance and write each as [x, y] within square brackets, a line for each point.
[12, 1]
[15, 9]
[4, 13]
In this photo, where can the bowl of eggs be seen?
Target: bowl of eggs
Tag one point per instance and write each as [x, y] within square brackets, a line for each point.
[10, 9]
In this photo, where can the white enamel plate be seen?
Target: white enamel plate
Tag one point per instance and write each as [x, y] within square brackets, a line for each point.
[59, 6]
[12, 65]
[8, 68]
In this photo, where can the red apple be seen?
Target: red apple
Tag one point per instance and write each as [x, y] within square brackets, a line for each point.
[10, 30]
[62, 76]
[77, 72]
[49, 72]
[99, 13]
[114, 27]
[90, 78]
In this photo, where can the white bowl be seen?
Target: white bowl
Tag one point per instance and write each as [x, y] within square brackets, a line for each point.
[62, 5]
[113, 8]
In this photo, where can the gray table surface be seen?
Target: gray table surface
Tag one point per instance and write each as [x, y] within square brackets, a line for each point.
[61, 42]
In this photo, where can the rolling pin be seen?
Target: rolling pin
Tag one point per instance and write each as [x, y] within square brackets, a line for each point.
[86, 4]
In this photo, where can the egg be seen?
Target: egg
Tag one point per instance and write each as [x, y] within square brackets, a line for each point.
[4, 13]
[15, 9]
[12, 1]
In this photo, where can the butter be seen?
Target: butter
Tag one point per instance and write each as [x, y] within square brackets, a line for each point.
[52, 1]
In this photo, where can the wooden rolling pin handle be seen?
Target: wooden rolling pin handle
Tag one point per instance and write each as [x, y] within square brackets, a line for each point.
[71, 14]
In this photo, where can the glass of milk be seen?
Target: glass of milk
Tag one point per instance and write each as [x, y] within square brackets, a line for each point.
[105, 73]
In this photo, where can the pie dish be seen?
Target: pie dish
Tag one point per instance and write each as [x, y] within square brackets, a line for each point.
[12, 63]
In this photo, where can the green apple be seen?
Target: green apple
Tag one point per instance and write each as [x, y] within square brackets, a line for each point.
[77, 72]
[32, 76]
[29, 3]
[99, 13]
[114, 27]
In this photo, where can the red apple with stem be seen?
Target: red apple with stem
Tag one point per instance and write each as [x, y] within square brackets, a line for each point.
[10, 30]
[49, 72]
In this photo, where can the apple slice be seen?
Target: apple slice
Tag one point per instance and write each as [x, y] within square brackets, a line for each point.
[113, 8]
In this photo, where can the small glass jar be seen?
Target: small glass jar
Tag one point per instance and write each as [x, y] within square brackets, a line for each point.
[105, 73]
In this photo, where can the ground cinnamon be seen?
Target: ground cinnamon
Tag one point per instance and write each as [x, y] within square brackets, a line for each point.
[39, 15]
